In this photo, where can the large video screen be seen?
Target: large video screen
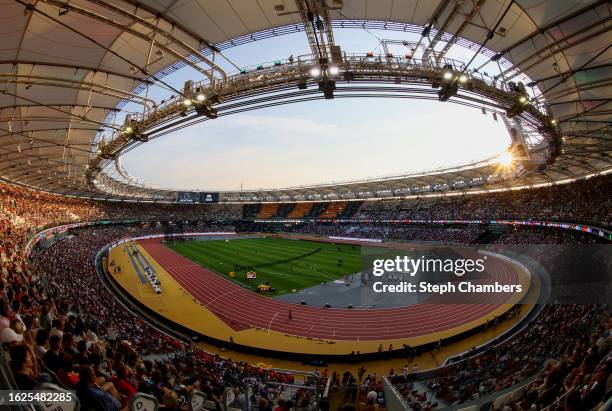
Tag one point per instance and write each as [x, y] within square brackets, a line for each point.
[209, 197]
[191, 197]
[187, 197]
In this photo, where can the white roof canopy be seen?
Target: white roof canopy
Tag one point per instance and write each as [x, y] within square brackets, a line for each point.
[64, 66]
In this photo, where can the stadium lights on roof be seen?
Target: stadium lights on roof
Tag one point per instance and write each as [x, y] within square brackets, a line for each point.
[553, 121]
[448, 75]
[187, 102]
[522, 99]
[463, 78]
[334, 70]
[129, 129]
[315, 72]
[200, 97]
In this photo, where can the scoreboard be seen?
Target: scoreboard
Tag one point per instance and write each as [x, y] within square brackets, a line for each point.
[193, 197]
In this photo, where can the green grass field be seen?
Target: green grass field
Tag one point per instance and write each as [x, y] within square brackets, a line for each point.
[285, 264]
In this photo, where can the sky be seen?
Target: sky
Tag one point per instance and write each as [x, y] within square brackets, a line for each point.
[320, 141]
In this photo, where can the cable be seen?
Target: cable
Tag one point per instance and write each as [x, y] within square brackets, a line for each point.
[143, 70]
[11, 133]
[571, 73]
[84, 118]
[489, 36]
[314, 29]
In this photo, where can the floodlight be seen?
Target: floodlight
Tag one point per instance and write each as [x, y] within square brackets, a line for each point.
[522, 99]
[448, 75]
[129, 129]
[334, 70]
[315, 72]
[201, 97]
[553, 121]
[463, 78]
[187, 102]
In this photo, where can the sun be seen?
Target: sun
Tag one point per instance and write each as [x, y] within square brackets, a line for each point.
[505, 159]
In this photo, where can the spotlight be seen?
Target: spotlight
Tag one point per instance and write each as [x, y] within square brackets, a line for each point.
[505, 159]
[463, 78]
[201, 97]
[128, 129]
[448, 75]
[187, 102]
[99, 151]
[334, 70]
[95, 181]
[553, 121]
[518, 106]
[315, 72]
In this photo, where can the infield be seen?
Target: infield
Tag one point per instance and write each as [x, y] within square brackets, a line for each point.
[284, 264]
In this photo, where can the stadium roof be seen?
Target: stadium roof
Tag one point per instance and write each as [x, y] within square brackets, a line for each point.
[66, 66]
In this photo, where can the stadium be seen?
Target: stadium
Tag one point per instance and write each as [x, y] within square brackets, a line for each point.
[301, 205]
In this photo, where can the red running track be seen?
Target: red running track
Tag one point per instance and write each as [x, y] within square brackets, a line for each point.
[241, 308]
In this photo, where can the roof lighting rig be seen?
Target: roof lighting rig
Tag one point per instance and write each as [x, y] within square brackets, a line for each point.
[288, 80]
[331, 70]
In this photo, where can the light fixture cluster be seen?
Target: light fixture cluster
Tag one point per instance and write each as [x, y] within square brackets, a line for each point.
[198, 99]
[324, 74]
[450, 84]
[324, 71]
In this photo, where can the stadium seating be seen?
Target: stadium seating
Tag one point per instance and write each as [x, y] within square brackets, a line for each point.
[268, 210]
[300, 210]
[350, 209]
[316, 210]
[333, 209]
[58, 291]
[250, 211]
[284, 209]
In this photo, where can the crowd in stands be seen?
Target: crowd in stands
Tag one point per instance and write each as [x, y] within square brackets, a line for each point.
[59, 323]
[39, 209]
[450, 235]
[544, 236]
[567, 347]
[393, 232]
[585, 201]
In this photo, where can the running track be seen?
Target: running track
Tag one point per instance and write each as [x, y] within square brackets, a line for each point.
[241, 308]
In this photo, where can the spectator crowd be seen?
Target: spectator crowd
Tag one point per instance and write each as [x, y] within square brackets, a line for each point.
[58, 323]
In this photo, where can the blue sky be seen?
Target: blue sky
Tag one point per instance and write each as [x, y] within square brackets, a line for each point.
[320, 141]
